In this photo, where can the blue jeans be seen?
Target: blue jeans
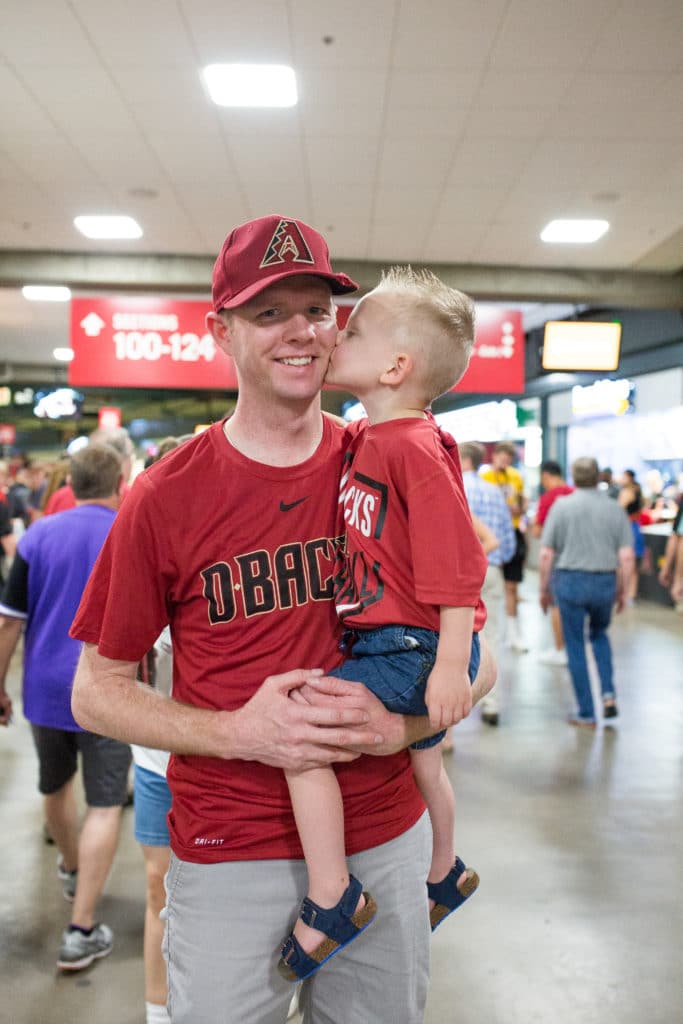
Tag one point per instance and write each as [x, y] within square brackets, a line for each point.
[580, 595]
[394, 662]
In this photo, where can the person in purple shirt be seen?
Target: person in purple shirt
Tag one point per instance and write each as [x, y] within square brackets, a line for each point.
[48, 575]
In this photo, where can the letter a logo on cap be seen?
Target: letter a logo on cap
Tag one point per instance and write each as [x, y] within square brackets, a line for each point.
[287, 245]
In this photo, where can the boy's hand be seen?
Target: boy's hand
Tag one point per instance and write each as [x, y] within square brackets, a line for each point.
[448, 696]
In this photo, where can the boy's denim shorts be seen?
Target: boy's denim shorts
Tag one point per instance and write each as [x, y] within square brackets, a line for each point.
[394, 662]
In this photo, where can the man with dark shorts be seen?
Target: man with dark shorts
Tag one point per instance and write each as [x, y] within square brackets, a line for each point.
[233, 541]
[49, 572]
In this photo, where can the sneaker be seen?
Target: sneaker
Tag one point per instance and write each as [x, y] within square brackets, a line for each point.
[68, 879]
[294, 1005]
[610, 710]
[78, 950]
[553, 657]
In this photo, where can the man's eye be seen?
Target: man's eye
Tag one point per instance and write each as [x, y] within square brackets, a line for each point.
[267, 314]
[320, 311]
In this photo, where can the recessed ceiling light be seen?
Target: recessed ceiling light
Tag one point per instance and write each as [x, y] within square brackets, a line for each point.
[108, 227]
[574, 231]
[63, 355]
[251, 85]
[46, 292]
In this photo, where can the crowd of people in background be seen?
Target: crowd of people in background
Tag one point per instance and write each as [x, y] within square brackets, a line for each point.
[32, 489]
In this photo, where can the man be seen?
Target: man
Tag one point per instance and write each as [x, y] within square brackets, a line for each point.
[504, 475]
[587, 541]
[52, 564]
[230, 538]
[554, 486]
[117, 438]
[488, 504]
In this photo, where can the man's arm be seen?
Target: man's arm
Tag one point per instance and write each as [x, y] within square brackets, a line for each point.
[10, 631]
[677, 583]
[546, 559]
[627, 563]
[270, 728]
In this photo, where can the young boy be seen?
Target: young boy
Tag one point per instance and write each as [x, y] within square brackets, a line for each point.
[408, 591]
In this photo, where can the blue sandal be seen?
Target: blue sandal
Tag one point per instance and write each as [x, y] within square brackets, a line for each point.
[339, 923]
[446, 894]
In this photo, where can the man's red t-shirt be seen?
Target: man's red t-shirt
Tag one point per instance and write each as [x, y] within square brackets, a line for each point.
[545, 502]
[238, 557]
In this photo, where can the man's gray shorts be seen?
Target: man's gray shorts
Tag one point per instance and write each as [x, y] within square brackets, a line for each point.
[104, 762]
[226, 922]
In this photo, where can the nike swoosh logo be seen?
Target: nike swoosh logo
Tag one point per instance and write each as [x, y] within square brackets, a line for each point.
[287, 508]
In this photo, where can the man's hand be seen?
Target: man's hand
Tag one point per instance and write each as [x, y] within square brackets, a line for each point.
[545, 599]
[278, 728]
[448, 696]
[5, 708]
[392, 732]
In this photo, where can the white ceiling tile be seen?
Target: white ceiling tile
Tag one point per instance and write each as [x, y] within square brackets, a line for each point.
[463, 204]
[133, 33]
[335, 89]
[534, 35]
[347, 120]
[290, 199]
[341, 159]
[259, 121]
[193, 115]
[404, 163]
[458, 35]
[452, 243]
[440, 89]
[194, 161]
[44, 32]
[523, 87]
[391, 243]
[507, 122]
[493, 161]
[616, 123]
[19, 109]
[235, 32]
[405, 205]
[643, 37]
[360, 33]
[118, 158]
[262, 159]
[419, 122]
[626, 89]
[348, 238]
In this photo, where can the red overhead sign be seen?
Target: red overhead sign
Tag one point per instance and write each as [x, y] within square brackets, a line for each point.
[133, 342]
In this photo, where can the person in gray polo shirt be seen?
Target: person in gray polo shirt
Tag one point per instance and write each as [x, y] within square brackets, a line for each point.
[587, 556]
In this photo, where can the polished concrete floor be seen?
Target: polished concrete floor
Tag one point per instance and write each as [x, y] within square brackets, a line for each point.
[578, 838]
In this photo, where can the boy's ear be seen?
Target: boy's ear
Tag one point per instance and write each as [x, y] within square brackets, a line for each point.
[401, 367]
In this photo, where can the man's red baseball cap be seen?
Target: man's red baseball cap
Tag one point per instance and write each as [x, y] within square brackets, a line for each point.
[263, 251]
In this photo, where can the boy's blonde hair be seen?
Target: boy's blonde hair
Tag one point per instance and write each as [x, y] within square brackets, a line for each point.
[437, 321]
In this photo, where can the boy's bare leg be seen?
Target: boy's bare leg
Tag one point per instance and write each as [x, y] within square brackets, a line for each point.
[319, 815]
[156, 865]
[437, 792]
